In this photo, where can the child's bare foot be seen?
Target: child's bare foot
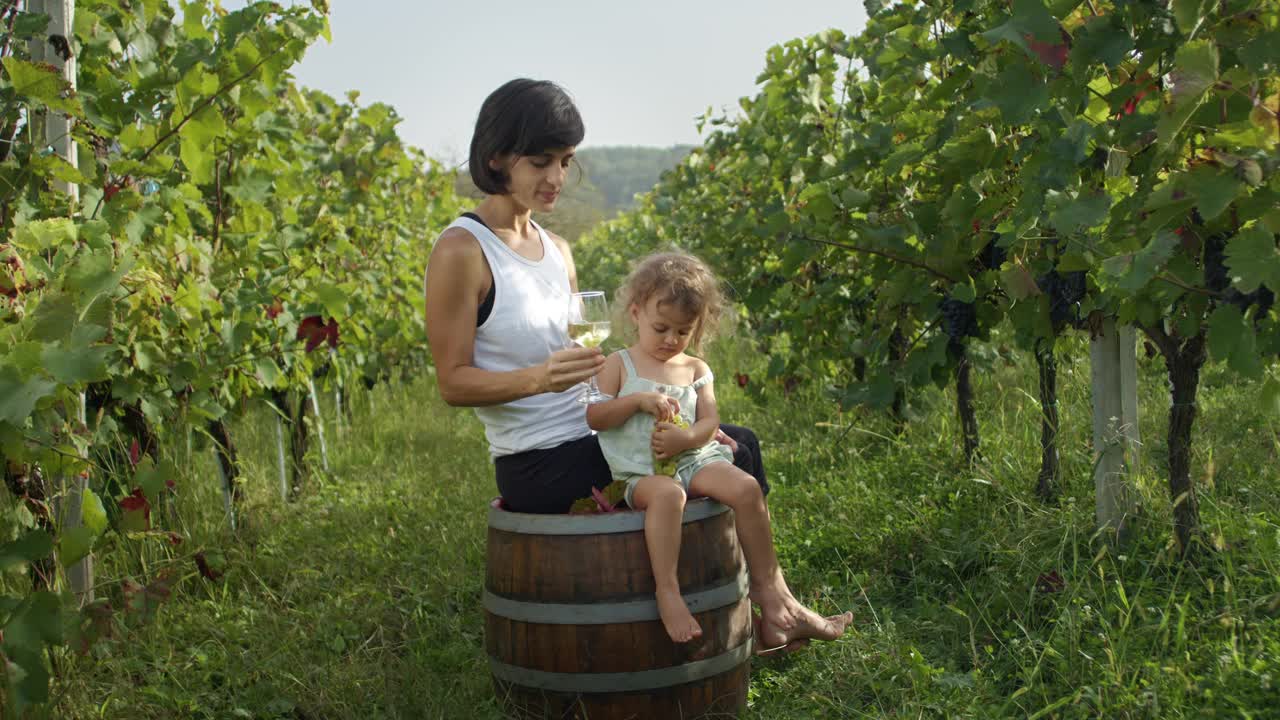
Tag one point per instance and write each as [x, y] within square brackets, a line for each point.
[676, 617]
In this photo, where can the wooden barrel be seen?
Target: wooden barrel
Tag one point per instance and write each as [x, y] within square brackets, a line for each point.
[572, 628]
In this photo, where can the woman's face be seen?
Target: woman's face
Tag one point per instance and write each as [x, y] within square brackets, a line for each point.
[536, 180]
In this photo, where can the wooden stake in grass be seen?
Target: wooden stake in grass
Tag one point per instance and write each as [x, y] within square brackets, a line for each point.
[315, 406]
[1047, 483]
[228, 469]
[1115, 428]
[284, 479]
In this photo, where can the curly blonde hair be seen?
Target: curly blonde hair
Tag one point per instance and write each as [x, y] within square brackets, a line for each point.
[680, 280]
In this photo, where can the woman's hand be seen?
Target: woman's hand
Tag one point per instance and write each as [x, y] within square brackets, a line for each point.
[566, 368]
[661, 407]
[724, 439]
[669, 440]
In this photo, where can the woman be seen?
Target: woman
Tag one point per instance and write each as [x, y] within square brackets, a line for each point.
[497, 290]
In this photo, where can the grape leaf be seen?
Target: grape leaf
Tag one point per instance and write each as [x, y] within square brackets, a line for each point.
[75, 544]
[1187, 13]
[18, 395]
[34, 545]
[78, 366]
[1213, 190]
[1253, 260]
[42, 84]
[1080, 213]
[1270, 398]
[1233, 340]
[92, 514]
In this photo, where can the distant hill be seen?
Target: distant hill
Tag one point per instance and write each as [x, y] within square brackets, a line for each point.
[622, 172]
[604, 184]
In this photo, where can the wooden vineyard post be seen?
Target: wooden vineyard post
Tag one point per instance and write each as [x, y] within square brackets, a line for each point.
[315, 406]
[1115, 428]
[57, 134]
[284, 479]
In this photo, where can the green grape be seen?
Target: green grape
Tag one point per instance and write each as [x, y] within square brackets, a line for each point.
[668, 467]
[615, 492]
[584, 506]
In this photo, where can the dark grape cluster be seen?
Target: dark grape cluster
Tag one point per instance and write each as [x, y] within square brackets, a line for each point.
[1065, 291]
[1218, 280]
[992, 256]
[1215, 270]
[1263, 298]
[959, 320]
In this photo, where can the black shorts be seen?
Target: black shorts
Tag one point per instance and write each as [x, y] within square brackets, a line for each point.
[548, 481]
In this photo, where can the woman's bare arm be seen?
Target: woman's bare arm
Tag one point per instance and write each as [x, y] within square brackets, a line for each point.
[456, 273]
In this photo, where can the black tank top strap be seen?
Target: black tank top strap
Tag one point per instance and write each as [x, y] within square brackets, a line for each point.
[486, 307]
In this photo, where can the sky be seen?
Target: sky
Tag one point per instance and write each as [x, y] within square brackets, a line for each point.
[641, 72]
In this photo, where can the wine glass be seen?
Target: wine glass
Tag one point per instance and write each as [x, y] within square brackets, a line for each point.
[589, 326]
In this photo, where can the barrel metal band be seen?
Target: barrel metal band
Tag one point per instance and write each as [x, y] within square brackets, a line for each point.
[599, 613]
[633, 681]
[598, 524]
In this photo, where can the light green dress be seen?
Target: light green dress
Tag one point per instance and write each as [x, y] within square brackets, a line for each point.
[626, 447]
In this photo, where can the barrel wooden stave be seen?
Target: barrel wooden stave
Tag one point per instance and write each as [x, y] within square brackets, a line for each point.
[609, 567]
[604, 570]
[622, 647]
[716, 698]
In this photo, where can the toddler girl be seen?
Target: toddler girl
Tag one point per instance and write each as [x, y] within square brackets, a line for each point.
[674, 302]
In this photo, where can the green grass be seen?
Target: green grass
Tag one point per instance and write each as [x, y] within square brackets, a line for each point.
[362, 599]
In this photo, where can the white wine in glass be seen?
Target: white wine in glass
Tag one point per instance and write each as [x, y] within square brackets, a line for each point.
[589, 326]
[589, 334]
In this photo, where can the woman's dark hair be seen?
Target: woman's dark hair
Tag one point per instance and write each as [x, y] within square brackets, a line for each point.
[523, 117]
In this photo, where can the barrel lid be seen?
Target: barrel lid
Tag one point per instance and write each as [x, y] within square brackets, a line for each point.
[595, 524]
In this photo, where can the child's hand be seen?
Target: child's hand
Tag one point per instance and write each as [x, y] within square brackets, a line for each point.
[669, 440]
[661, 407]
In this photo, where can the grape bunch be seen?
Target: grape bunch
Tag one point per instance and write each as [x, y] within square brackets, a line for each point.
[959, 320]
[1263, 298]
[1065, 291]
[1215, 270]
[609, 499]
[668, 467]
[992, 256]
[1217, 279]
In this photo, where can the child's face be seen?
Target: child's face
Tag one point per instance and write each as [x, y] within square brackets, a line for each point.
[536, 180]
[664, 330]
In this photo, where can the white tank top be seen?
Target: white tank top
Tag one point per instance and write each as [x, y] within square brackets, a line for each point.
[528, 322]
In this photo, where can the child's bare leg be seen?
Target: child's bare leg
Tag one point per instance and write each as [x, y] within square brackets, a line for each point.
[663, 503]
[783, 618]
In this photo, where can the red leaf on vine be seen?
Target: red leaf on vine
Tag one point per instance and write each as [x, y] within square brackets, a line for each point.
[202, 564]
[137, 511]
[742, 379]
[275, 308]
[135, 453]
[1053, 55]
[111, 188]
[1050, 582]
[316, 331]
